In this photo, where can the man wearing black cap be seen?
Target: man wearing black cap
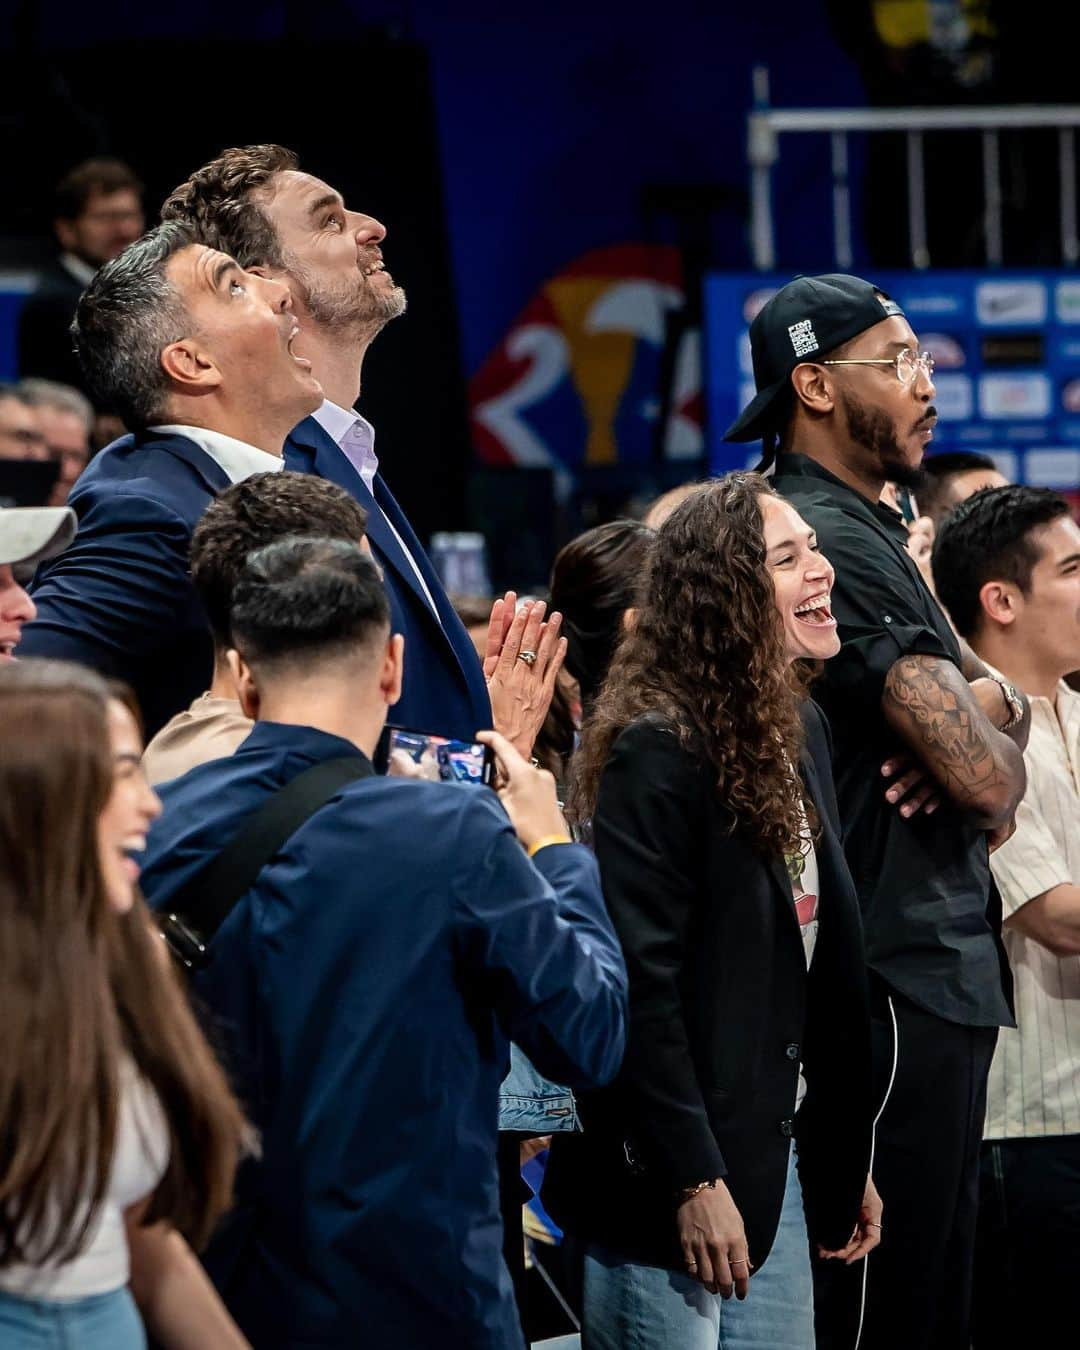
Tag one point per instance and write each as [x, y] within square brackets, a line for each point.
[844, 405]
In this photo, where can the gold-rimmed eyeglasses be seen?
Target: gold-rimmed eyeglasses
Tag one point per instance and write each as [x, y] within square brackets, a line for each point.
[907, 364]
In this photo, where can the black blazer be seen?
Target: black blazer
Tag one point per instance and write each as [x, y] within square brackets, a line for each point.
[722, 1011]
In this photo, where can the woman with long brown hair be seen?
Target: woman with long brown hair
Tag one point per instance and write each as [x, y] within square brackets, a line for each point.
[119, 1136]
[705, 773]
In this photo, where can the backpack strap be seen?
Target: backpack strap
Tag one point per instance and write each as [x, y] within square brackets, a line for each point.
[200, 907]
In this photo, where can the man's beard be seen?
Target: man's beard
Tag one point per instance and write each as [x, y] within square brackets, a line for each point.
[874, 431]
[348, 306]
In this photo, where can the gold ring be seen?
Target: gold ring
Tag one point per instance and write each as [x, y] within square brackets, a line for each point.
[528, 657]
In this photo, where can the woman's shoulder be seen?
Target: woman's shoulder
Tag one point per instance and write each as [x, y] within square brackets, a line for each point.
[655, 736]
[652, 757]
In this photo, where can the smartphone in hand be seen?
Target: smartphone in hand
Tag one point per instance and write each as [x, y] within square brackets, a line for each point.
[407, 753]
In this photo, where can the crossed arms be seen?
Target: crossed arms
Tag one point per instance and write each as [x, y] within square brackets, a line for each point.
[950, 720]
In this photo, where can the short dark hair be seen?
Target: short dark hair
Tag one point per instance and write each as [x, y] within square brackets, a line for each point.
[126, 317]
[220, 203]
[92, 178]
[253, 513]
[988, 538]
[938, 469]
[594, 580]
[307, 600]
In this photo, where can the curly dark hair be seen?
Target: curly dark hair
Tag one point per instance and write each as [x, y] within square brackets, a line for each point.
[706, 654]
[220, 202]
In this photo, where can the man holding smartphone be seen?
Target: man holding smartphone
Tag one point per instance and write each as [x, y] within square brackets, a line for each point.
[369, 981]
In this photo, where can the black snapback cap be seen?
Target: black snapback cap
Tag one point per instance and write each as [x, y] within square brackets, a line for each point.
[807, 316]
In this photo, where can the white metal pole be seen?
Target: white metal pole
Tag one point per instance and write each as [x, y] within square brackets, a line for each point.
[920, 253]
[1070, 248]
[761, 152]
[992, 198]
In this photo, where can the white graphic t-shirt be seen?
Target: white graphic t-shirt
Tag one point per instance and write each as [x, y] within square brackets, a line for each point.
[803, 871]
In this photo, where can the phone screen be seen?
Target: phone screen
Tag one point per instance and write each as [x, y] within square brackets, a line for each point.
[404, 753]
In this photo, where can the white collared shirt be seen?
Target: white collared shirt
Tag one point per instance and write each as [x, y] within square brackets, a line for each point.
[1034, 1086]
[82, 271]
[355, 437]
[237, 459]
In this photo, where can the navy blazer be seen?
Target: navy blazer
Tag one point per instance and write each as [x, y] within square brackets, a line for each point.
[444, 689]
[365, 991]
[119, 598]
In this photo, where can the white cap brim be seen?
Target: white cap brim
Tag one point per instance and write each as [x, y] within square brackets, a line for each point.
[28, 534]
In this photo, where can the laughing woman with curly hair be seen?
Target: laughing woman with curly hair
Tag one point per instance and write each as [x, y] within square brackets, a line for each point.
[705, 772]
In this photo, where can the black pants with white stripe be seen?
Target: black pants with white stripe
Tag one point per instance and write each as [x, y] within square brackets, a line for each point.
[914, 1291]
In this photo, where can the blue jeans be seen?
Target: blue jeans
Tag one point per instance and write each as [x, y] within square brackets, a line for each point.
[631, 1307]
[100, 1322]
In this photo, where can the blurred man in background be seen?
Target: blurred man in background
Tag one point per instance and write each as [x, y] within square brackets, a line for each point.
[21, 436]
[97, 213]
[66, 419]
[1007, 563]
[950, 478]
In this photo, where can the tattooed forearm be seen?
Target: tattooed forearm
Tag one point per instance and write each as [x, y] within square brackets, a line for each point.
[930, 706]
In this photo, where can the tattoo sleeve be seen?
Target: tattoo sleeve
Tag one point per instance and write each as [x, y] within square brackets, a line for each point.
[929, 704]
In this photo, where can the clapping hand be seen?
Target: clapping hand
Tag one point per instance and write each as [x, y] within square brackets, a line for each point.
[522, 658]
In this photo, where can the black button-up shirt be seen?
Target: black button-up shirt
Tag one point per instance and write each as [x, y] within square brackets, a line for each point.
[923, 883]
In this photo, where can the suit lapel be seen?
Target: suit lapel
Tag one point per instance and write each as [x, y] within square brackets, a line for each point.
[310, 449]
[325, 457]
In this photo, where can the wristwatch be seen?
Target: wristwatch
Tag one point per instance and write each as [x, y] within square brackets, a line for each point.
[1013, 702]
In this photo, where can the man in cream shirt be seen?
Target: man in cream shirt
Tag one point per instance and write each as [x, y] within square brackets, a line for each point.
[198, 358]
[1007, 566]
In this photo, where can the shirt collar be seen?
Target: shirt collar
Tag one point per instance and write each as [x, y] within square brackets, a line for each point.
[237, 459]
[310, 741]
[790, 464]
[354, 435]
[82, 271]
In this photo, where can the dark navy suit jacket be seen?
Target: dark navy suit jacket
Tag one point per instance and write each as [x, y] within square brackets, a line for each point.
[365, 990]
[119, 598]
[444, 689]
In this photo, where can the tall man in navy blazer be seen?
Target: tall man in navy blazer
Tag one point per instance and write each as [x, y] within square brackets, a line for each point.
[197, 357]
[253, 202]
[365, 988]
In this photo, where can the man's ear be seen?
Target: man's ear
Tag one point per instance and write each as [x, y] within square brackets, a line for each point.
[393, 670]
[813, 388]
[1001, 602]
[190, 367]
[246, 688]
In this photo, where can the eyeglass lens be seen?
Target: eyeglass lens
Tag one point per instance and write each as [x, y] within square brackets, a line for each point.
[909, 363]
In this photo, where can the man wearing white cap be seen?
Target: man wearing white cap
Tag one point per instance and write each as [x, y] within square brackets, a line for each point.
[28, 534]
